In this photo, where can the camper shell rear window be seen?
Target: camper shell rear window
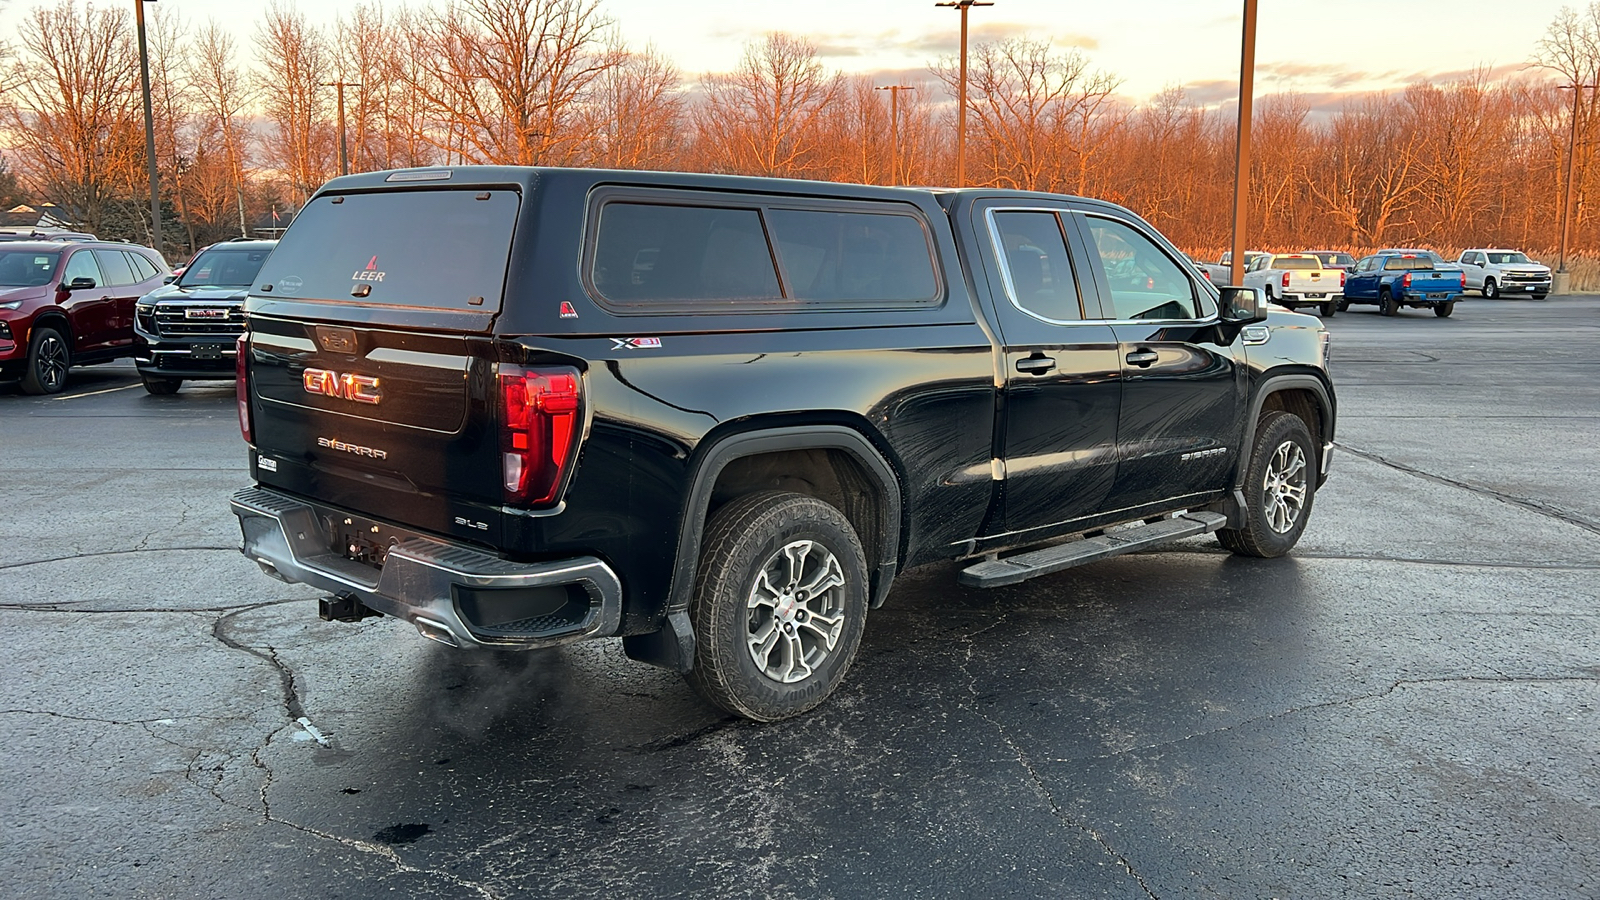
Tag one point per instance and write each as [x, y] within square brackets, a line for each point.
[649, 252]
[433, 249]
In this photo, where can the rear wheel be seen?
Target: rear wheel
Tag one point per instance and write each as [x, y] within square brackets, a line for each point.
[1387, 305]
[1443, 310]
[1343, 305]
[1490, 289]
[779, 607]
[48, 361]
[160, 384]
[1278, 490]
[1330, 307]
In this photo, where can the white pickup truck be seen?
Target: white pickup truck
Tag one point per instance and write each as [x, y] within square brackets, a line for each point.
[1495, 272]
[1296, 279]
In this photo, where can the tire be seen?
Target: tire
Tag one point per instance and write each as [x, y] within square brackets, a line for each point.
[1329, 308]
[49, 357]
[1443, 310]
[1490, 289]
[1343, 305]
[160, 385]
[1387, 305]
[758, 550]
[1279, 489]
[1537, 296]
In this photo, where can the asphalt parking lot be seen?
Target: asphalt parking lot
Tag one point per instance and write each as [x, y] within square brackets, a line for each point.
[1409, 705]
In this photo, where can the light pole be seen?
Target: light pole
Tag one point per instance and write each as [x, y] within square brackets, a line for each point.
[1560, 285]
[344, 155]
[961, 112]
[149, 129]
[894, 128]
[1241, 175]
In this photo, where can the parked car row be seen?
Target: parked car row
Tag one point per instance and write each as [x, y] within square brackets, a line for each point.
[1392, 278]
[72, 300]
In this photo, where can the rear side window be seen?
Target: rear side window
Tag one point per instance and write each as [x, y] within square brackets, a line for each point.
[432, 249]
[655, 257]
[1038, 268]
[143, 269]
[114, 265]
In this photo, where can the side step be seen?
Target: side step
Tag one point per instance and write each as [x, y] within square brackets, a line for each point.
[1016, 569]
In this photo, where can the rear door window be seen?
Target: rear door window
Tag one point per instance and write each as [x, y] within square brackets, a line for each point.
[437, 249]
[1037, 266]
[114, 265]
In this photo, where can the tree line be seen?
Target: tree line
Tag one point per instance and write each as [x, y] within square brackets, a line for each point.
[244, 129]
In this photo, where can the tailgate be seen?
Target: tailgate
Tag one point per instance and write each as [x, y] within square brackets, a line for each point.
[1316, 281]
[389, 424]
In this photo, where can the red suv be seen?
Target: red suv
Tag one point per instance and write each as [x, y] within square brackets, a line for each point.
[68, 303]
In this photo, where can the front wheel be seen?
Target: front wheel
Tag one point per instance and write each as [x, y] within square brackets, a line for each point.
[1387, 304]
[1278, 490]
[48, 361]
[1490, 289]
[779, 606]
[1538, 296]
[1443, 310]
[160, 384]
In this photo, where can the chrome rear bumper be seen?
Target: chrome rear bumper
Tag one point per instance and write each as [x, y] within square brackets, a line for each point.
[422, 577]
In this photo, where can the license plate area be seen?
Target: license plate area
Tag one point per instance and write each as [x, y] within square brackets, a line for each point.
[1437, 296]
[361, 540]
[1317, 294]
[205, 352]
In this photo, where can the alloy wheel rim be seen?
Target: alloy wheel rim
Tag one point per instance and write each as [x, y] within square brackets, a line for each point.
[794, 614]
[1283, 487]
[52, 366]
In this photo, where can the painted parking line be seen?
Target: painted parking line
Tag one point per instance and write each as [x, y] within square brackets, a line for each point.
[125, 387]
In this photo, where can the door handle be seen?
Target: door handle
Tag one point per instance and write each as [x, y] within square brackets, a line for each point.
[1036, 365]
[1144, 359]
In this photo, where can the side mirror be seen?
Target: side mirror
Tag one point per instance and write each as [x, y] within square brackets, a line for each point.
[1242, 306]
[169, 279]
[79, 284]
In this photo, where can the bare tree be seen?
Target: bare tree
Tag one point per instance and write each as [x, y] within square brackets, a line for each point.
[637, 112]
[293, 60]
[73, 114]
[763, 118]
[506, 77]
[222, 97]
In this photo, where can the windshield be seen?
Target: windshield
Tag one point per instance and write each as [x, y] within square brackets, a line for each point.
[27, 268]
[1512, 257]
[225, 267]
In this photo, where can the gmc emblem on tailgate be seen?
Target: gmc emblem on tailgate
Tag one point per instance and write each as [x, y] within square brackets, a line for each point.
[357, 388]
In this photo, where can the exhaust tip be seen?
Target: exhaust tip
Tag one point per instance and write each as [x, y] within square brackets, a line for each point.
[434, 631]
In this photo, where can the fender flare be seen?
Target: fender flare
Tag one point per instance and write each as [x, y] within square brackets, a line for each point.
[1273, 385]
[673, 646]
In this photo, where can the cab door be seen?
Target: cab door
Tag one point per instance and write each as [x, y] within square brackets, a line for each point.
[1183, 377]
[1062, 390]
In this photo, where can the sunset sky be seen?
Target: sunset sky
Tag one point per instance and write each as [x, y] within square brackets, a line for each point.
[1323, 49]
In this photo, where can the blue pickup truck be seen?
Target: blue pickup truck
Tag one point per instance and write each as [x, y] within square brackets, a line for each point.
[1396, 279]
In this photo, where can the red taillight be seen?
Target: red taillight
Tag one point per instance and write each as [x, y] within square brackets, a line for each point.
[1341, 278]
[540, 412]
[1285, 279]
[1405, 280]
[241, 386]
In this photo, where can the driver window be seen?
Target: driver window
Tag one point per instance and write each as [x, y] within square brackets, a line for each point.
[1145, 283]
[81, 265]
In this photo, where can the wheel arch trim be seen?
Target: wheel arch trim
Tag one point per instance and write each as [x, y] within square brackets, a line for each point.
[1277, 384]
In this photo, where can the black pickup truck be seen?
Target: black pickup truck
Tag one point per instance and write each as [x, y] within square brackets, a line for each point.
[716, 415]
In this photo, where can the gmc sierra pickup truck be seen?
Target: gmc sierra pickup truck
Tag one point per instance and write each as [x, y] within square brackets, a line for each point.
[715, 416]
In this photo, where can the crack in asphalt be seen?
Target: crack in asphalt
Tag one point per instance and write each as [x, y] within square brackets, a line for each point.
[286, 677]
[162, 720]
[1527, 503]
[1343, 701]
[1026, 763]
[78, 556]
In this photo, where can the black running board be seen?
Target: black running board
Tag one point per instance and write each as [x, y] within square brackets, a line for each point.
[1015, 569]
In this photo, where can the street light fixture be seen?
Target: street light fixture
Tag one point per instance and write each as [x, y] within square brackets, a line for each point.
[961, 113]
[149, 129]
[1566, 196]
[894, 128]
[344, 154]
